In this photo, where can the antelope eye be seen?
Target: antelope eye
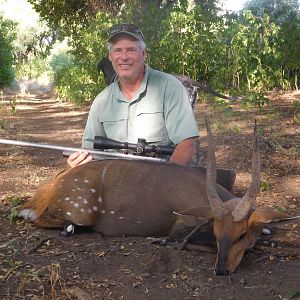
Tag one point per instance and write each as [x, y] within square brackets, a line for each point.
[242, 236]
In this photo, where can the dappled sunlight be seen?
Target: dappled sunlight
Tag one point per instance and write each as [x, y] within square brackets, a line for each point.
[20, 11]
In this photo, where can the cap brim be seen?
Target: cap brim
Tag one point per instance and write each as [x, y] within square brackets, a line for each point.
[136, 36]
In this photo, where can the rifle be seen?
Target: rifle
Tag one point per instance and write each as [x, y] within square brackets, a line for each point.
[141, 149]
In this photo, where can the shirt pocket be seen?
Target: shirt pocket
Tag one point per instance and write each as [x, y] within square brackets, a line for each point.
[115, 126]
[149, 123]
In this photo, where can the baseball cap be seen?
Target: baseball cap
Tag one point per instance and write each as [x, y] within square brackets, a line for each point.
[129, 29]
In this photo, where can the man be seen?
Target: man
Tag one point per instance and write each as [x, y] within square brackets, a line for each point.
[140, 103]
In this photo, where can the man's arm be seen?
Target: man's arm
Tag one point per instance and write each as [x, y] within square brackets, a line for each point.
[184, 152]
[180, 123]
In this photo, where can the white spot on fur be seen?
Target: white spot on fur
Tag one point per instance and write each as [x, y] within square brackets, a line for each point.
[93, 191]
[100, 199]
[86, 181]
[95, 208]
[76, 205]
[82, 210]
[67, 199]
[68, 213]
[71, 202]
[102, 211]
[89, 211]
[27, 214]
[121, 218]
[79, 197]
[103, 173]
[138, 222]
[85, 201]
[78, 189]
[76, 179]
[112, 212]
[73, 190]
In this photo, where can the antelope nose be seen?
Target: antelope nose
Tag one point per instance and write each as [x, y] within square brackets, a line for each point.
[223, 272]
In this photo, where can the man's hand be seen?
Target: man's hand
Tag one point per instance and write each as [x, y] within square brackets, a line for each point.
[79, 158]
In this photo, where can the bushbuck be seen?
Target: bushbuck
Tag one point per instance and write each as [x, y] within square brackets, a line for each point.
[142, 198]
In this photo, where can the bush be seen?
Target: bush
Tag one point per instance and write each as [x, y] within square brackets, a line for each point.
[7, 36]
[72, 81]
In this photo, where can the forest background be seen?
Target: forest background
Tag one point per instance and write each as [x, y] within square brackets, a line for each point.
[248, 52]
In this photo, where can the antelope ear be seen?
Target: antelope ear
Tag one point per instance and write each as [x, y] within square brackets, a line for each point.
[271, 217]
[200, 212]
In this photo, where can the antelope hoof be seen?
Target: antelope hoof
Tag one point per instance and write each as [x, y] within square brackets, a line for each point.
[158, 241]
[267, 231]
[68, 230]
[164, 242]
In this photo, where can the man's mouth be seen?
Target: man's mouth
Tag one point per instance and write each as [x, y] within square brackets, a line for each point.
[124, 66]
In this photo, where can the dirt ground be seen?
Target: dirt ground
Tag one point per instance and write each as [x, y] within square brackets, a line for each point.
[40, 264]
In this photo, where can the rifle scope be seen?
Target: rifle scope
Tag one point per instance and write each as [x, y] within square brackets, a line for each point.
[141, 148]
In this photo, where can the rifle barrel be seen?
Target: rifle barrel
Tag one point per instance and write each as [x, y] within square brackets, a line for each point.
[95, 153]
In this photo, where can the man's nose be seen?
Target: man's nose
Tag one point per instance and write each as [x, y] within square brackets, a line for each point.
[124, 55]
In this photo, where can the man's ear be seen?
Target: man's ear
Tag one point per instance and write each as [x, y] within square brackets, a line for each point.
[145, 55]
[109, 56]
[271, 218]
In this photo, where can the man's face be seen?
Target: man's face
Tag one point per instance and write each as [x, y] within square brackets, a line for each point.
[127, 58]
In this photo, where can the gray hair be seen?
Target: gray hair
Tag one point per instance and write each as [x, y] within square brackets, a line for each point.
[142, 45]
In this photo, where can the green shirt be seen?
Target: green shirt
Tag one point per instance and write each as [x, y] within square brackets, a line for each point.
[160, 112]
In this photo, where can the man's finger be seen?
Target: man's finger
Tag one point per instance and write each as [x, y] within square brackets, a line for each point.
[77, 158]
[88, 159]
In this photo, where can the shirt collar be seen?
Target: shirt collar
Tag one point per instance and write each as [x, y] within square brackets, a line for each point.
[140, 91]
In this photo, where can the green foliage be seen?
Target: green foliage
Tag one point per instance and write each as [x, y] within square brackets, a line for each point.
[261, 130]
[252, 99]
[228, 112]
[236, 128]
[218, 125]
[291, 294]
[296, 113]
[76, 85]
[15, 201]
[74, 71]
[31, 49]
[273, 113]
[280, 208]
[13, 104]
[60, 63]
[13, 215]
[264, 186]
[7, 37]
[286, 15]
[253, 58]
[246, 54]
[35, 67]
[296, 118]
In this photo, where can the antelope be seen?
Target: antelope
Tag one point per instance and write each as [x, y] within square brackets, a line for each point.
[142, 198]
